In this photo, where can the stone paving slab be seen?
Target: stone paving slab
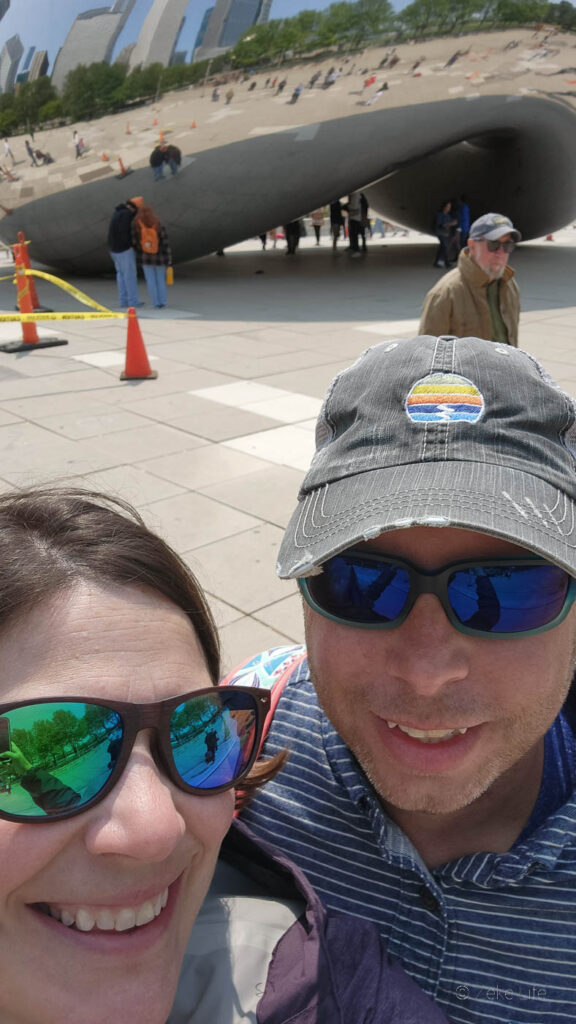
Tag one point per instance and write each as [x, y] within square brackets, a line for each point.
[214, 450]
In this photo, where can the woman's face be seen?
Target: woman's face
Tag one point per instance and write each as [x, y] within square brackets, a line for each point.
[145, 838]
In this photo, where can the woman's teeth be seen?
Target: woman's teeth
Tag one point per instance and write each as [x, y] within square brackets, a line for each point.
[106, 919]
[428, 735]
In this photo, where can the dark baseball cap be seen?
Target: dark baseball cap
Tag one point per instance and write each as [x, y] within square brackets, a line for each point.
[493, 226]
[439, 432]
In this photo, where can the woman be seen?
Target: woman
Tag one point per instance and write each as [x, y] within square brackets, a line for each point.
[112, 814]
[153, 252]
[317, 219]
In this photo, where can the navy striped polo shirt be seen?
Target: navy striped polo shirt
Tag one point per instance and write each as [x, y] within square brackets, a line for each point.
[490, 937]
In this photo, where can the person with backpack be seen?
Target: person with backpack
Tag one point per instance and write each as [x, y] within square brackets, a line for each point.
[153, 252]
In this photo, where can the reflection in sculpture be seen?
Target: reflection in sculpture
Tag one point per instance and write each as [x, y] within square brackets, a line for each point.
[496, 124]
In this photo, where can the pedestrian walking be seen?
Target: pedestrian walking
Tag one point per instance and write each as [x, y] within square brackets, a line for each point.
[30, 151]
[153, 252]
[8, 154]
[317, 219]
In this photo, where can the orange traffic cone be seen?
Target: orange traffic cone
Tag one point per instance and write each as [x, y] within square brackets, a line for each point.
[31, 283]
[137, 366]
[161, 136]
[29, 331]
[549, 238]
[128, 132]
[123, 170]
[30, 337]
[192, 124]
[104, 157]
[155, 121]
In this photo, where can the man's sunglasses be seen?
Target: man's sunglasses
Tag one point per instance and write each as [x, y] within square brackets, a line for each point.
[502, 598]
[60, 757]
[493, 246]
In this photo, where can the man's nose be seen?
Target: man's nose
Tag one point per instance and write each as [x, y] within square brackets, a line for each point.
[427, 652]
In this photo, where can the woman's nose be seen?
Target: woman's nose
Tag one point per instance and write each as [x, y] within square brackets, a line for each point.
[139, 818]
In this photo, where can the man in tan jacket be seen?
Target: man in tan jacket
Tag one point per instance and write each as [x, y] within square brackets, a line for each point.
[480, 297]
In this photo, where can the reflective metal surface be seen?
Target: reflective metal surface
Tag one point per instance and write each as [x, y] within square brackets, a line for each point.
[497, 123]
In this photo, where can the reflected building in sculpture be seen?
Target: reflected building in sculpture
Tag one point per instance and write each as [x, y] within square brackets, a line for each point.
[227, 21]
[10, 57]
[495, 125]
[159, 36]
[4, 6]
[91, 38]
[38, 65]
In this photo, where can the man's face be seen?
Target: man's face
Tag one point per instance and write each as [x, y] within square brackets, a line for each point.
[492, 263]
[425, 675]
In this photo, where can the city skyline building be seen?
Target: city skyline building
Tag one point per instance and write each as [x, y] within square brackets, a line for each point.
[203, 26]
[10, 57]
[4, 7]
[39, 65]
[159, 35]
[227, 22]
[91, 38]
[29, 55]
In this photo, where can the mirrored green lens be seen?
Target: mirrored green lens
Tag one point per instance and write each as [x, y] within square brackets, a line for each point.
[55, 756]
[212, 738]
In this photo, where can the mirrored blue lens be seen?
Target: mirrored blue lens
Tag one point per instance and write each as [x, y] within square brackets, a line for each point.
[360, 591]
[212, 738]
[507, 599]
[56, 756]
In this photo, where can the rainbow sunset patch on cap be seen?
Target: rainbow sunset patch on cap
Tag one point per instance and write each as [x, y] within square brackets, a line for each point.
[444, 398]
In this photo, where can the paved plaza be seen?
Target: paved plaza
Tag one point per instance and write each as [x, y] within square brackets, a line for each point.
[213, 451]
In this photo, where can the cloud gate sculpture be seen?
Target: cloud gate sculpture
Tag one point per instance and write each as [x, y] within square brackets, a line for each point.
[262, 160]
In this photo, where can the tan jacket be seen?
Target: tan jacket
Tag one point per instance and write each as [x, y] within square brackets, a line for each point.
[457, 304]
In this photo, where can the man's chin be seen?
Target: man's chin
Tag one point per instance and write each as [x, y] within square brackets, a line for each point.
[494, 273]
[428, 797]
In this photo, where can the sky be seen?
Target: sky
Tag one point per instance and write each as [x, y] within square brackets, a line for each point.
[45, 23]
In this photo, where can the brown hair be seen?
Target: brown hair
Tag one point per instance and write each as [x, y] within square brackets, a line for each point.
[53, 538]
[145, 215]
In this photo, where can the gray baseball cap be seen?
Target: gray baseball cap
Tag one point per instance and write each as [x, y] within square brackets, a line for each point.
[439, 432]
[493, 226]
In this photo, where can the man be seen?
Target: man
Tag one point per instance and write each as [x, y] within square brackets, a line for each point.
[429, 724]
[122, 251]
[480, 297]
[157, 161]
[355, 229]
[31, 154]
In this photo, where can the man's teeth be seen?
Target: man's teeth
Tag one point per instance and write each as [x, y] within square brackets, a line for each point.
[428, 735]
[106, 919]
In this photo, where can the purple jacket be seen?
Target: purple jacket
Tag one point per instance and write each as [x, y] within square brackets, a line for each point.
[327, 968]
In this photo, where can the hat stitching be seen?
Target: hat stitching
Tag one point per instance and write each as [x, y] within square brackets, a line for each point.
[469, 502]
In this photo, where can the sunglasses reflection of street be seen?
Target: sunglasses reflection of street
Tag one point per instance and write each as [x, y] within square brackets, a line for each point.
[66, 755]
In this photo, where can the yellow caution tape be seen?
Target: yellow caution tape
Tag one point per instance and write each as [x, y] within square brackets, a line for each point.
[81, 296]
[27, 318]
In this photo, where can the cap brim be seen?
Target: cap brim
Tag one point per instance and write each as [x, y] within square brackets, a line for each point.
[510, 504]
[493, 236]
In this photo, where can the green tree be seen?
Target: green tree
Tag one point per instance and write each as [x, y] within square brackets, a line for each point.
[92, 90]
[563, 14]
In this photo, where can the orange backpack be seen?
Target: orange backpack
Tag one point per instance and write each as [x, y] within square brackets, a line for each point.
[148, 239]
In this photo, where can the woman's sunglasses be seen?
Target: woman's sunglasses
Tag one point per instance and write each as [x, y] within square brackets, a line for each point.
[502, 598]
[60, 757]
[493, 246]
